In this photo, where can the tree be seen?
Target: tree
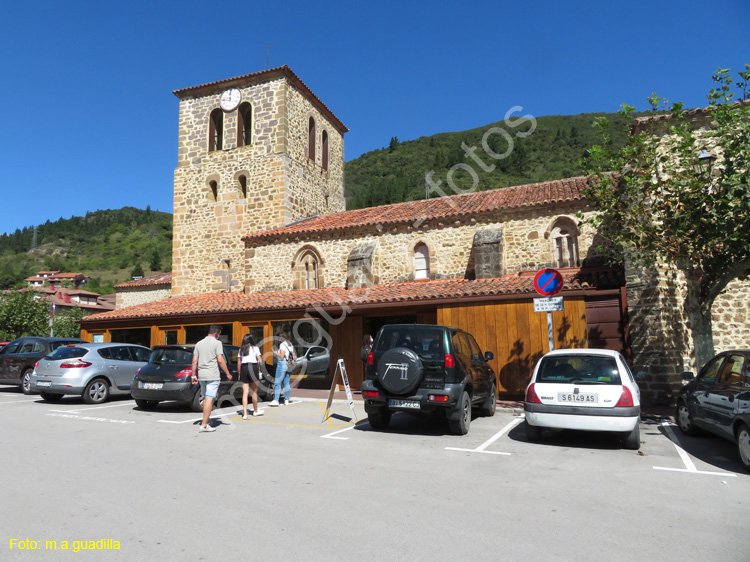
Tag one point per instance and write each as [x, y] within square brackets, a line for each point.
[155, 261]
[67, 323]
[137, 270]
[23, 315]
[667, 206]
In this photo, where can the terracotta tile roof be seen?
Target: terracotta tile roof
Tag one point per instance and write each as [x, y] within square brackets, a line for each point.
[160, 279]
[262, 75]
[413, 292]
[440, 208]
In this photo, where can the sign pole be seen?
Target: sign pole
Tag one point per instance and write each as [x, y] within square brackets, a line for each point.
[549, 331]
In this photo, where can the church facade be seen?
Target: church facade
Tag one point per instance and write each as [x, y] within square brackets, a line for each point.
[262, 242]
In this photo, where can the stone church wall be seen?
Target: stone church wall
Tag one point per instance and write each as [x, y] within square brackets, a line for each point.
[269, 266]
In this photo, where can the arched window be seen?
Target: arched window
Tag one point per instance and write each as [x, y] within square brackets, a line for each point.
[213, 194]
[307, 269]
[564, 239]
[324, 150]
[216, 130]
[311, 139]
[245, 124]
[243, 186]
[421, 261]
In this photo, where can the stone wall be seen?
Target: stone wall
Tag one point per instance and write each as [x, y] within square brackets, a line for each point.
[269, 265]
[660, 336]
[141, 295]
[281, 184]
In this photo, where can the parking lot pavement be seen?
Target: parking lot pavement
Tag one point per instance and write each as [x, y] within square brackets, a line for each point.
[291, 484]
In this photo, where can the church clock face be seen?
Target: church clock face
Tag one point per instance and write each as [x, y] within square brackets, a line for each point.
[230, 99]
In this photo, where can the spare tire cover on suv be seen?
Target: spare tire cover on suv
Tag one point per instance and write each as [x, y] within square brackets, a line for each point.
[399, 370]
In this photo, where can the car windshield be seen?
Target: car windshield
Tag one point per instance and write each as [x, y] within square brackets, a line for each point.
[427, 342]
[578, 369]
[67, 353]
[171, 355]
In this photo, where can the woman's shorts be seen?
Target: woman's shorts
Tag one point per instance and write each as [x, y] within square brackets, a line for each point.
[249, 373]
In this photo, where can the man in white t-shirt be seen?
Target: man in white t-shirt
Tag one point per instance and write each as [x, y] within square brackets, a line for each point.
[208, 357]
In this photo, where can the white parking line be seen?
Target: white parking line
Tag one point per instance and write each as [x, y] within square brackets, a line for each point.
[89, 418]
[491, 440]
[129, 403]
[687, 461]
[331, 435]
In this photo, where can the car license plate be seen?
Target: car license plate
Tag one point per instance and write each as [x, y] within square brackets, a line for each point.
[585, 397]
[44, 383]
[411, 404]
[152, 385]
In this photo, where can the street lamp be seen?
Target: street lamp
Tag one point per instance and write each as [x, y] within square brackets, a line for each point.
[705, 161]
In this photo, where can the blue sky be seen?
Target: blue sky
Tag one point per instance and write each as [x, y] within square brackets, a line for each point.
[91, 123]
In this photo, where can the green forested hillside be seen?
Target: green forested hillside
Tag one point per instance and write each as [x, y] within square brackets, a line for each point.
[108, 246]
[552, 151]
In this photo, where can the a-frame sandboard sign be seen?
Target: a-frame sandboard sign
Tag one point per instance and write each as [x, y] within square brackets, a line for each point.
[340, 368]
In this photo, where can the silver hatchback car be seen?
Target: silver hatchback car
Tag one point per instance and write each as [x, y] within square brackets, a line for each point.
[93, 371]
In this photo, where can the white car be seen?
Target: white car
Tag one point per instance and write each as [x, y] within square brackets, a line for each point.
[583, 389]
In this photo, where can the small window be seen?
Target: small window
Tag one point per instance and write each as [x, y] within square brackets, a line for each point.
[421, 262]
[711, 369]
[733, 369]
[245, 124]
[213, 194]
[311, 139]
[216, 130]
[564, 238]
[307, 270]
[324, 150]
[243, 187]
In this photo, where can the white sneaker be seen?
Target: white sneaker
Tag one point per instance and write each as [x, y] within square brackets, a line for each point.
[258, 413]
[273, 403]
[286, 402]
[244, 416]
[207, 429]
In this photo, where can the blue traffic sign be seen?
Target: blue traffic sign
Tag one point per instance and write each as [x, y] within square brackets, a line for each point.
[548, 282]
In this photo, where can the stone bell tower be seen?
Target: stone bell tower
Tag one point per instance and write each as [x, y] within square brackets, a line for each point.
[255, 153]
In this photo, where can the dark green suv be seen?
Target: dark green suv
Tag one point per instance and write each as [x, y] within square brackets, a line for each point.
[427, 369]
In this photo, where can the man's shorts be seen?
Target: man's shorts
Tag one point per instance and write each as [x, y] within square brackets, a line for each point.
[209, 389]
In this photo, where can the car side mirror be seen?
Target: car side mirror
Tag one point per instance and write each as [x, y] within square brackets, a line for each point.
[488, 356]
[687, 376]
[640, 375]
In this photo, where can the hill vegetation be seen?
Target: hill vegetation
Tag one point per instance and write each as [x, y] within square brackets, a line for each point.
[108, 246]
[553, 150]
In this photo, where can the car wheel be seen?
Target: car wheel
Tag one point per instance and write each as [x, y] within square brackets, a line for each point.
[490, 404]
[461, 425]
[146, 404]
[380, 418]
[96, 392]
[399, 370]
[196, 404]
[533, 432]
[684, 419]
[49, 397]
[632, 439]
[743, 445]
[26, 382]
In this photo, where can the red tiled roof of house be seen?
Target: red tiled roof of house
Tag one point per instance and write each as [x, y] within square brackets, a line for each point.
[406, 292]
[160, 279]
[261, 75]
[440, 208]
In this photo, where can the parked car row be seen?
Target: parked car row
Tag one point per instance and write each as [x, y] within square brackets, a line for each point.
[420, 369]
[56, 367]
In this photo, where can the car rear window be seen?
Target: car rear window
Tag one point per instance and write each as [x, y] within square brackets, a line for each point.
[427, 342]
[579, 369]
[171, 355]
[67, 353]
